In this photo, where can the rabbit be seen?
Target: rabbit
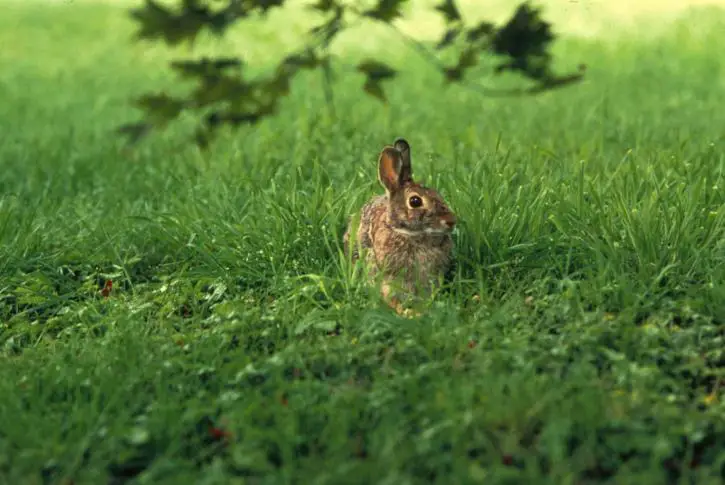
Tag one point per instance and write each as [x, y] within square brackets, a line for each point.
[404, 236]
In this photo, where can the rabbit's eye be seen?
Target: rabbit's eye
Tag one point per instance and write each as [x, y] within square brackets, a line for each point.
[414, 202]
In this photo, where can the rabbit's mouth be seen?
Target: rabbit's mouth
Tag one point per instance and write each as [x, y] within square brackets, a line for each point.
[424, 231]
[435, 230]
[407, 232]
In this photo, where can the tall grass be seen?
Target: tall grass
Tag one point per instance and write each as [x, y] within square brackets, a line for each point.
[581, 340]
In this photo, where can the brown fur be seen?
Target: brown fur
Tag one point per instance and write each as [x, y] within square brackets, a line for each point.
[395, 239]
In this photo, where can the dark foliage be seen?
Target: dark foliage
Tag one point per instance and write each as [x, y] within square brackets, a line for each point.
[224, 96]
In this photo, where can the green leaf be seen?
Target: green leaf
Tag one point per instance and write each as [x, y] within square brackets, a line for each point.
[305, 60]
[386, 10]
[467, 59]
[330, 28]
[214, 120]
[280, 84]
[204, 67]
[160, 107]
[558, 81]
[449, 10]
[324, 5]
[220, 88]
[376, 70]
[158, 22]
[448, 37]
[135, 132]
[152, 18]
[374, 88]
[202, 137]
[375, 73]
[265, 5]
[483, 29]
[524, 39]
[218, 118]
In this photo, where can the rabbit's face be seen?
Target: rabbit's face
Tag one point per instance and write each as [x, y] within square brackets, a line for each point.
[417, 210]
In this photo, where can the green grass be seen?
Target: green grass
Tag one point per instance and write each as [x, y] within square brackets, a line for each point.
[581, 340]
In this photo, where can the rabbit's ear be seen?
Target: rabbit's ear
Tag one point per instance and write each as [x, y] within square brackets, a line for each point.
[389, 167]
[406, 169]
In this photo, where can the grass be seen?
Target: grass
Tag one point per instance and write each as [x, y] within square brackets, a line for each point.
[580, 342]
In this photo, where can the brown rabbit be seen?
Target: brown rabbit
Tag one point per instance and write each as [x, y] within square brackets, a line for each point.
[404, 235]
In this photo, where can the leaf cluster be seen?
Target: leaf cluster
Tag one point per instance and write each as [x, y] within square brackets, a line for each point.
[224, 95]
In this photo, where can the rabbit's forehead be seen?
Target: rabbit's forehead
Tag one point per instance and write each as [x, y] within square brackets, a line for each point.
[418, 190]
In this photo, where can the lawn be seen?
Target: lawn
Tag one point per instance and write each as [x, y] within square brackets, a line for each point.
[579, 342]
